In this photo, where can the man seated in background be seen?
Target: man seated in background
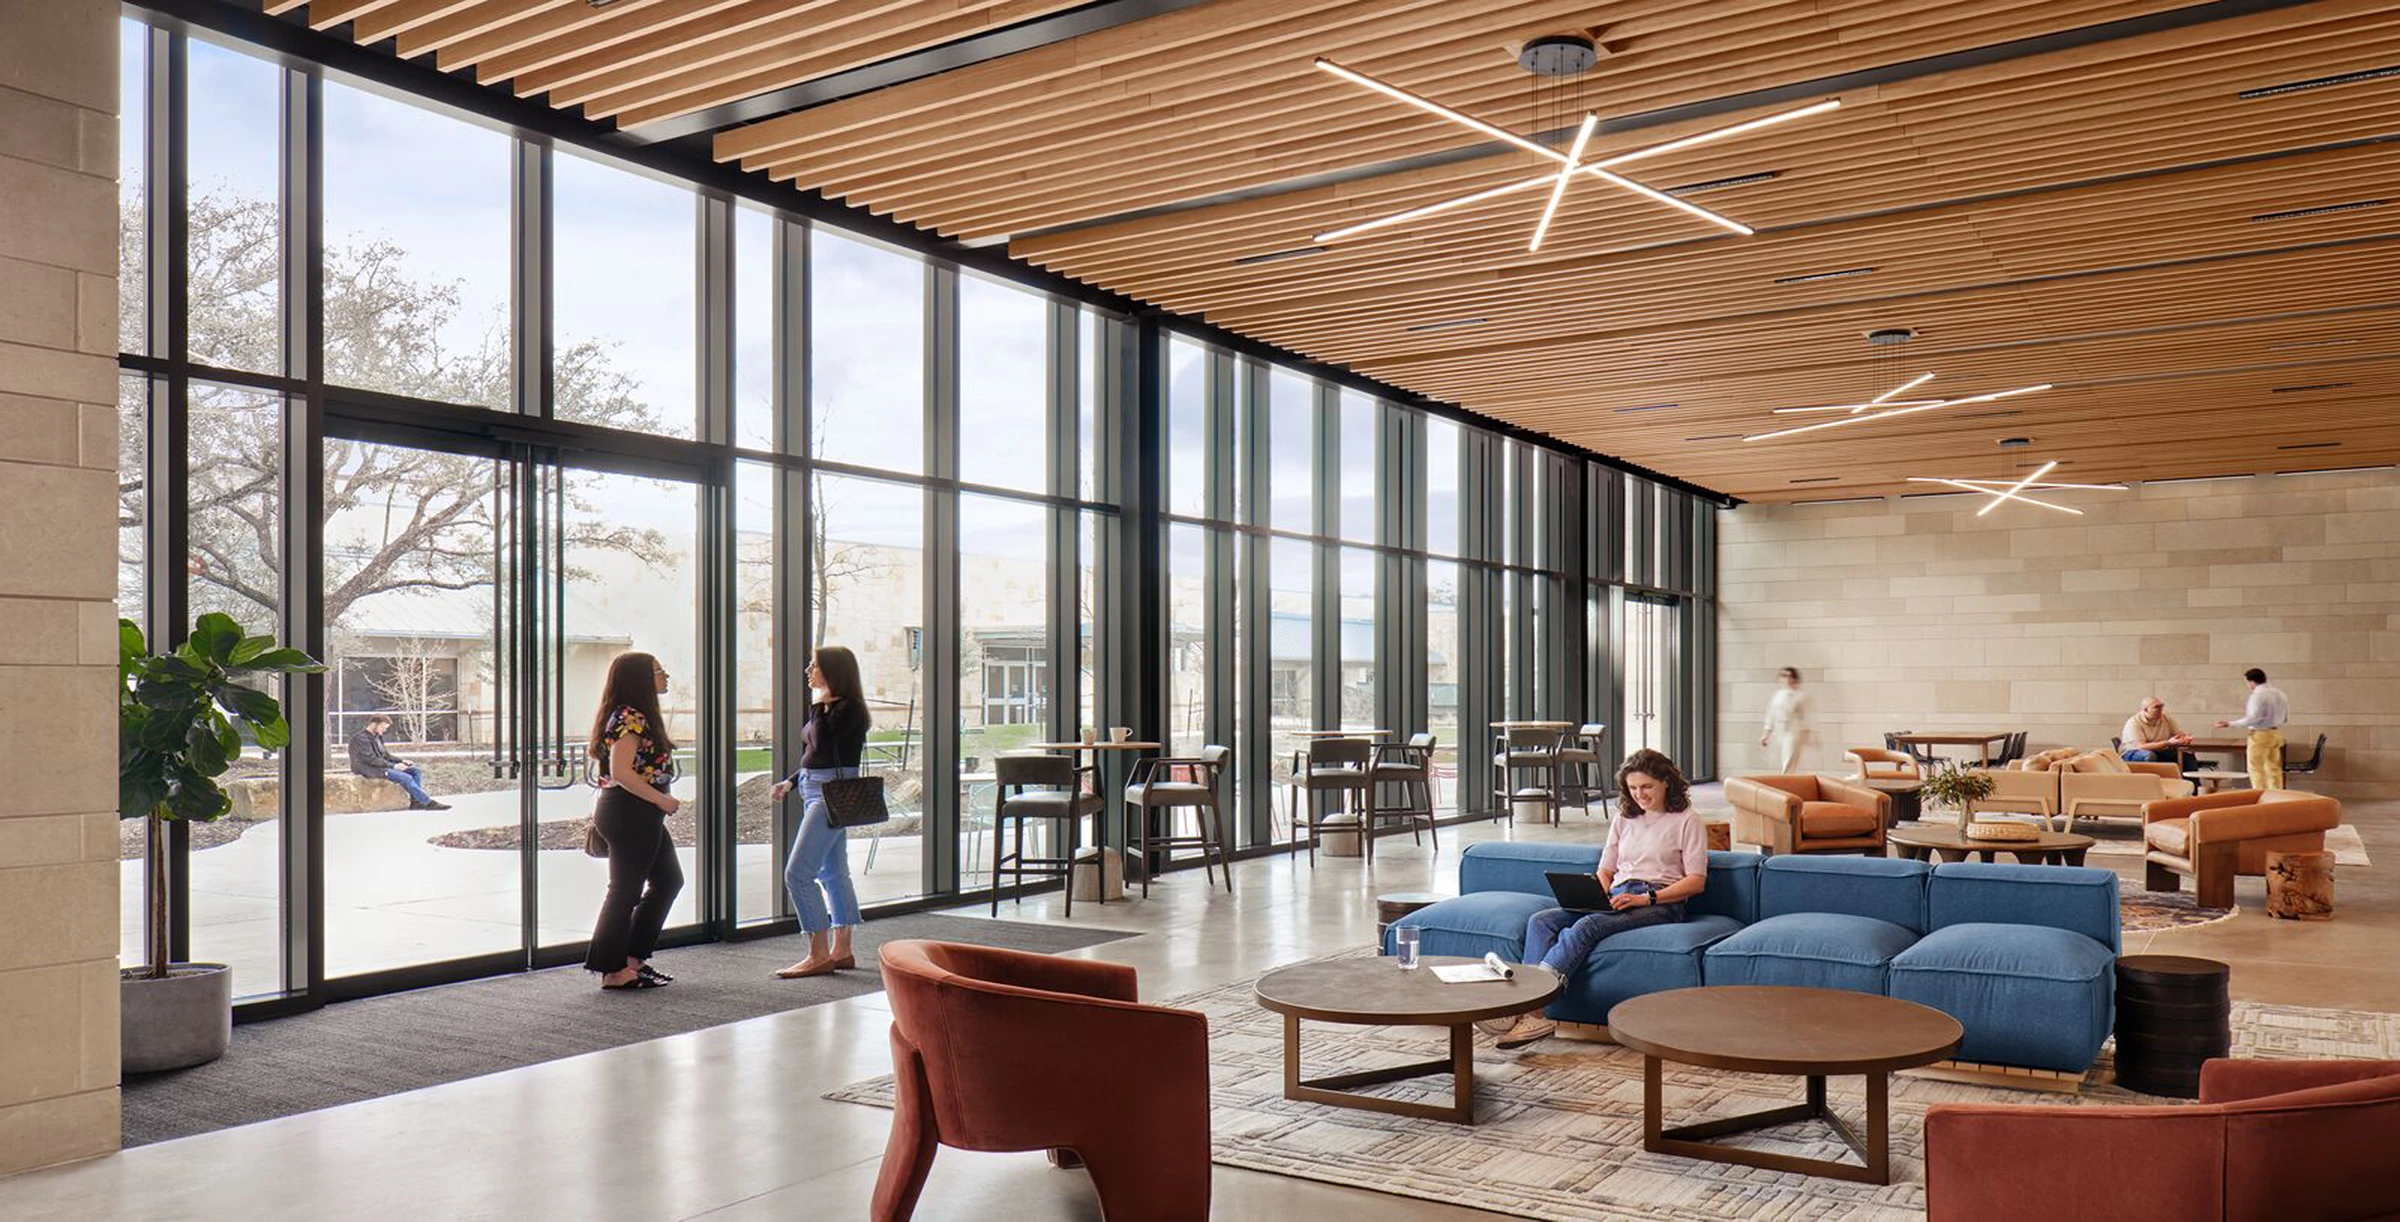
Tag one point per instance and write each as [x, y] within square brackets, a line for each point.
[2150, 736]
[370, 758]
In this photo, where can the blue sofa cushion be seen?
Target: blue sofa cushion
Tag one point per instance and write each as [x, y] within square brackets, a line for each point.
[1472, 925]
[1888, 889]
[1732, 889]
[1651, 959]
[1507, 865]
[1824, 950]
[2028, 995]
[2075, 899]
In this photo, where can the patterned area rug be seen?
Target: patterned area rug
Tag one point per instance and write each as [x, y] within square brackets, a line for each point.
[2151, 911]
[1559, 1132]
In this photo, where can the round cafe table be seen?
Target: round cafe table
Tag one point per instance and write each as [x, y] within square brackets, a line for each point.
[1107, 883]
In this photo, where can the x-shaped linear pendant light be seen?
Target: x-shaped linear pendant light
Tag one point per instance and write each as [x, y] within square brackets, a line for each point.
[1570, 162]
[1892, 405]
[2004, 490]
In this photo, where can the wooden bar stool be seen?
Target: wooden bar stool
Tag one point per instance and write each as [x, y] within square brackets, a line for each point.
[1037, 787]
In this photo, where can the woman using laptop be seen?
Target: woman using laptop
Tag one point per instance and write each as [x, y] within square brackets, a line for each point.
[1657, 858]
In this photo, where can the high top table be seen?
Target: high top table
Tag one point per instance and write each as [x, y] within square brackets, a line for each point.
[1107, 884]
[1774, 1029]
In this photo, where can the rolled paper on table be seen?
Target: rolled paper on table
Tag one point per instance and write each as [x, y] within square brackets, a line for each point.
[1495, 963]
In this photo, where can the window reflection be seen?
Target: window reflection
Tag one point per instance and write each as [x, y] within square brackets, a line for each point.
[624, 299]
[866, 383]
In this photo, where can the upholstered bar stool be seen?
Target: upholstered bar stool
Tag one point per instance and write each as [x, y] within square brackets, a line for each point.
[1034, 787]
[1534, 751]
[1579, 763]
[1410, 769]
[1158, 788]
[1337, 766]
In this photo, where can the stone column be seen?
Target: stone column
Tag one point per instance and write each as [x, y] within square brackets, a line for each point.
[58, 502]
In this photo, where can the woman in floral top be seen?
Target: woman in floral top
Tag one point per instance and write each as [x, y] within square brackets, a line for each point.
[630, 741]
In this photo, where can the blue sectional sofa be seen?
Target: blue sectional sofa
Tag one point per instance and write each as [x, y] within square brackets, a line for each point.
[2022, 956]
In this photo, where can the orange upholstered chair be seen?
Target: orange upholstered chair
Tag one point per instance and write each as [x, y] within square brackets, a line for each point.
[1001, 1050]
[1808, 814]
[2269, 1139]
[2212, 837]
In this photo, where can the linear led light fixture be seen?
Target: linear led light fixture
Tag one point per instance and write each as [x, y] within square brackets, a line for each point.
[1444, 326]
[1650, 407]
[1571, 162]
[1721, 184]
[2293, 390]
[2310, 343]
[1888, 398]
[2322, 82]
[1558, 190]
[1813, 277]
[2013, 490]
[2311, 445]
[1894, 408]
[1817, 479]
[2324, 210]
[1277, 256]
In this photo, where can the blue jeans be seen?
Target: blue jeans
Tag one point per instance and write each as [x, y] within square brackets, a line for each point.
[1560, 940]
[818, 873]
[410, 779]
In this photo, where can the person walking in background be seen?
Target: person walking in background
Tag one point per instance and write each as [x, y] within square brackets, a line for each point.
[2264, 716]
[1787, 722]
[637, 765]
[1656, 859]
[371, 759]
[2150, 736]
[833, 738]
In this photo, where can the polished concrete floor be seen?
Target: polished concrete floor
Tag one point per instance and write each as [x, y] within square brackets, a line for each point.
[726, 1123]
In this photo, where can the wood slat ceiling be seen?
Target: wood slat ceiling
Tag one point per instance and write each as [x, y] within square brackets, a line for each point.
[2079, 214]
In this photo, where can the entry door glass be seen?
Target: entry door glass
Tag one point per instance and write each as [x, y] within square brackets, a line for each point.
[622, 573]
[418, 560]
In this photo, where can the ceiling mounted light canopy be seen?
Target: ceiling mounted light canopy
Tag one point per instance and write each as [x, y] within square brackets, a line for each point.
[1555, 57]
[2001, 490]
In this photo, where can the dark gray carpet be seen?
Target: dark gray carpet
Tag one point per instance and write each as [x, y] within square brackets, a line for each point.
[379, 1046]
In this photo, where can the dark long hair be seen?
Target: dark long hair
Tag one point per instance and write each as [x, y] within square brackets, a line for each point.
[632, 683]
[1656, 766]
[839, 668]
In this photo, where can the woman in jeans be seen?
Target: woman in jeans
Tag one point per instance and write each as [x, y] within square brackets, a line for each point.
[629, 738]
[1657, 858]
[832, 738]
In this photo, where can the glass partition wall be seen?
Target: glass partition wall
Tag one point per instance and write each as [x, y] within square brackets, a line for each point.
[468, 414]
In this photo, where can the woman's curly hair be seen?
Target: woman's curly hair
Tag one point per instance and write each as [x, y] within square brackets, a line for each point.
[1655, 765]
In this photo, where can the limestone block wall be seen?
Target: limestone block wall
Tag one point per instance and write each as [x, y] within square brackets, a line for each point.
[1915, 613]
[58, 505]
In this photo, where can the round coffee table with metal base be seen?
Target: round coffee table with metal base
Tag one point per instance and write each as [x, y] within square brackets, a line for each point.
[1377, 993]
[1946, 843]
[1772, 1029]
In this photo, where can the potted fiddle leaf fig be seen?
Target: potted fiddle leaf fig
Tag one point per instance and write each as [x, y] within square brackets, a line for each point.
[1956, 789]
[181, 718]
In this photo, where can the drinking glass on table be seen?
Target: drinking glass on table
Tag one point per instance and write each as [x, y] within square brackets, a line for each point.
[1404, 943]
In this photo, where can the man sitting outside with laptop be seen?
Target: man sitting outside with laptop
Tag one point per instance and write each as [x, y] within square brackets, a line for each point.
[1657, 857]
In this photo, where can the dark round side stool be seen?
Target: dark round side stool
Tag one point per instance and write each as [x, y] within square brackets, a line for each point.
[1390, 908]
[2173, 1013]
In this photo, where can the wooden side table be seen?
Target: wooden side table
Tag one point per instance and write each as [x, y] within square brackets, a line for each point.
[1390, 908]
[2173, 1013]
[2300, 886]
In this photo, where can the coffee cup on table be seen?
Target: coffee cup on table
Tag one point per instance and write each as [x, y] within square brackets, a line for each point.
[1090, 736]
[1120, 734]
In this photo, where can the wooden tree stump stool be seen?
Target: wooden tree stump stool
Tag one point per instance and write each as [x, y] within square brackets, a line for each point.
[1720, 837]
[2300, 886]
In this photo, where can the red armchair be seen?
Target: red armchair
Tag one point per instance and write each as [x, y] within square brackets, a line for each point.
[2269, 1139]
[1000, 1050]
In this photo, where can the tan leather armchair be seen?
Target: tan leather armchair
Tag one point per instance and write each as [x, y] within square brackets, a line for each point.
[1808, 814]
[2017, 791]
[2117, 795]
[1877, 764]
[2214, 836]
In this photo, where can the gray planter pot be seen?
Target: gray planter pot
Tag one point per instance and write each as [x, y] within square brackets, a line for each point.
[182, 1019]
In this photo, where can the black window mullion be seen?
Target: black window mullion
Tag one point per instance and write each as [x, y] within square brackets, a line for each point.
[303, 484]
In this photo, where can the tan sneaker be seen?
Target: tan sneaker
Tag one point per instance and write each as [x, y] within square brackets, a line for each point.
[1531, 1029]
[1497, 1027]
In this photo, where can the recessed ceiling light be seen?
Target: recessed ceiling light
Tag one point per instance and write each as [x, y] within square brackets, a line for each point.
[2296, 213]
[1811, 277]
[2322, 82]
[1720, 184]
[1990, 415]
[1714, 437]
[1276, 256]
[1444, 326]
[2311, 445]
[1817, 479]
[2293, 390]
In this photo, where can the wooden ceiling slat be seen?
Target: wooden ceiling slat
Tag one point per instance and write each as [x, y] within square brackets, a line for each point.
[437, 33]
[572, 75]
[403, 17]
[509, 55]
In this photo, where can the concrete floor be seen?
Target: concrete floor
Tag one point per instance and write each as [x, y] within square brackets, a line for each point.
[725, 1123]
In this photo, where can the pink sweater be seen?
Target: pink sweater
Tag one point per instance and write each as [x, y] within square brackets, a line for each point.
[1660, 848]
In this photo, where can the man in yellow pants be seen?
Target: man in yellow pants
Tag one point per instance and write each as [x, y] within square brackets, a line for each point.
[2264, 716]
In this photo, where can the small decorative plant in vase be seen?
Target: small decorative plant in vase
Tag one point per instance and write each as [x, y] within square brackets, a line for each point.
[1956, 789]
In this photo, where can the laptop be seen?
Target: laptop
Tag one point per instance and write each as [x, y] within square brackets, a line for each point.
[1578, 892]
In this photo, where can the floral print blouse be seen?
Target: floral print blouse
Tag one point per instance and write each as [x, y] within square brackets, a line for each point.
[653, 765]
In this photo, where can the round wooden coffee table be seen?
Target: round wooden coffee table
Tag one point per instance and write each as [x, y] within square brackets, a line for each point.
[1947, 843]
[1376, 993]
[1771, 1029]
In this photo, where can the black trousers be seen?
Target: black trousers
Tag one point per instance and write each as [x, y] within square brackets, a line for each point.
[644, 877]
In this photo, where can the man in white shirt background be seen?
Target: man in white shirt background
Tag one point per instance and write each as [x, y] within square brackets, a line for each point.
[1787, 721]
[2264, 716]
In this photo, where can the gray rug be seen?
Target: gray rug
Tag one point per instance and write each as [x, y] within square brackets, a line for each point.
[1559, 1124]
[379, 1046]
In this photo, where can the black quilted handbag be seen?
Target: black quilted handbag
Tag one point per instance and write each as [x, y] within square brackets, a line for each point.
[854, 801]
